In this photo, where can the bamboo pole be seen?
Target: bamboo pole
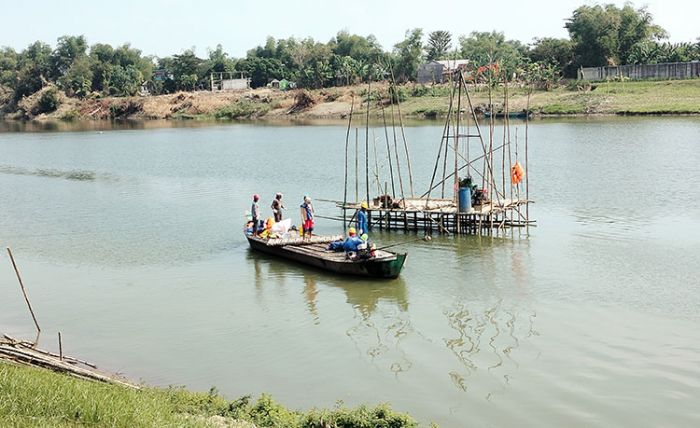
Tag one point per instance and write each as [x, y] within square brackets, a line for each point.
[510, 159]
[527, 172]
[469, 164]
[396, 151]
[492, 183]
[24, 291]
[376, 167]
[357, 166]
[388, 152]
[443, 140]
[456, 145]
[347, 143]
[456, 149]
[505, 125]
[369, 97]
[60, 347]
[488, 167]
[403, 134]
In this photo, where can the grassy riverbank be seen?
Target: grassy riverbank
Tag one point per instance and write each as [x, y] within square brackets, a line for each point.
[419, 101]
[37, 397]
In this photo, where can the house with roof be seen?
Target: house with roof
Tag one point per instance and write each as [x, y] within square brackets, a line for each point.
[439, 71]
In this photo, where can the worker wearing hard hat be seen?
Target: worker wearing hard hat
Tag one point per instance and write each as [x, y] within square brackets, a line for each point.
[352, 241]
[362, 225]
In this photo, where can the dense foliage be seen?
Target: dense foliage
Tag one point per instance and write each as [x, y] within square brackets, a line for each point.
[599, 35]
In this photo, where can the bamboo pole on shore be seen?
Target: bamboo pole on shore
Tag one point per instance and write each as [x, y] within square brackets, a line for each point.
[18, 352]
[60, 346]
[24, 290]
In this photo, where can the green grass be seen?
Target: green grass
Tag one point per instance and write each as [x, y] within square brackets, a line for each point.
[32, 397]
[628, 97]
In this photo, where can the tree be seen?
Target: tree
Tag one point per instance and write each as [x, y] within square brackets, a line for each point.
[485, 48]
[365, 49]
[8, 67]
[125, 56]
[439, 43]
[68, 49]
[185, 67]
[559, 52]
[101, 65]
[33, 69]
[218, 62]
[126, 81]
[77, 80]
[604, 35]
[262, 70]
[407, 55]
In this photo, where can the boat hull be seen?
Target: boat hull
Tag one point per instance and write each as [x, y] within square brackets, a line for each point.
[385, 267]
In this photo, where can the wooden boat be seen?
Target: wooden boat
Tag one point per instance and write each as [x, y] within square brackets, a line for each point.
[511, 114]
[385, 264]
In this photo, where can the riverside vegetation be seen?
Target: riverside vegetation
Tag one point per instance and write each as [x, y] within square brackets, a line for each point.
[38, 397]
[99, 80]
[417, 101]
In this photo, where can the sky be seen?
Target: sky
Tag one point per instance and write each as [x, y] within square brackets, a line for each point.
[164, 28]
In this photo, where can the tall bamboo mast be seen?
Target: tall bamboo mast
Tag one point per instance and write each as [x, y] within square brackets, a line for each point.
[357, 166]
[369, 97]
[347, 143]
[403, 134]
[388, 153]
[456, 138]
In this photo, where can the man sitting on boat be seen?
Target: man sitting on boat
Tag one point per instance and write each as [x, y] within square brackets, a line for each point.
[366, 250]
[268, 232]
[349, 244]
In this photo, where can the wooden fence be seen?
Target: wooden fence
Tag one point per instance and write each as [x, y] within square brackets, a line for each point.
[672, 70]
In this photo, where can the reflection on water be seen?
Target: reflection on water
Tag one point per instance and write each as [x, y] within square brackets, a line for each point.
[363, 295]
[380, 339]
[486, 339]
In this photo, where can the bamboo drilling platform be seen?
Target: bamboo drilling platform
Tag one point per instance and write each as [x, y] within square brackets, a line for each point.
[494, 198]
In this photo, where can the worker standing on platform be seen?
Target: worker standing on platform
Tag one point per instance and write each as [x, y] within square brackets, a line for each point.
[255, 213]
[277, 207]
[307, 216]
[362, 225]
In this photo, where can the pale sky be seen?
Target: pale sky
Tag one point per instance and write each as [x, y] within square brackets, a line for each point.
[163, 28]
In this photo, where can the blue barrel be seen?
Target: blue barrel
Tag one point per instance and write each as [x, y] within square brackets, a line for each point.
[465, 199]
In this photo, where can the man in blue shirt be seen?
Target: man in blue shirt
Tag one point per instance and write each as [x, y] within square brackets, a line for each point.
[352, 241]
[362, 226]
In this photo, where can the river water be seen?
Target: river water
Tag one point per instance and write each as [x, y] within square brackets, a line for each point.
[128, 238]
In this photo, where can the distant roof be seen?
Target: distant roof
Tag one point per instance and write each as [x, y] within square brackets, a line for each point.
[453, 62]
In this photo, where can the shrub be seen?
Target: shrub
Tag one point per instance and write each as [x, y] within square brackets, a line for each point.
[242, 109]
[397, 95]
[302, 101]
[49, 101]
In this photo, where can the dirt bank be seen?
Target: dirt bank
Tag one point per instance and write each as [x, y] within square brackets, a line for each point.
[418, 101]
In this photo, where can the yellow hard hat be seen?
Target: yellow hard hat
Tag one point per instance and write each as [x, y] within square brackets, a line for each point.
[352, 231]
[364, 205]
